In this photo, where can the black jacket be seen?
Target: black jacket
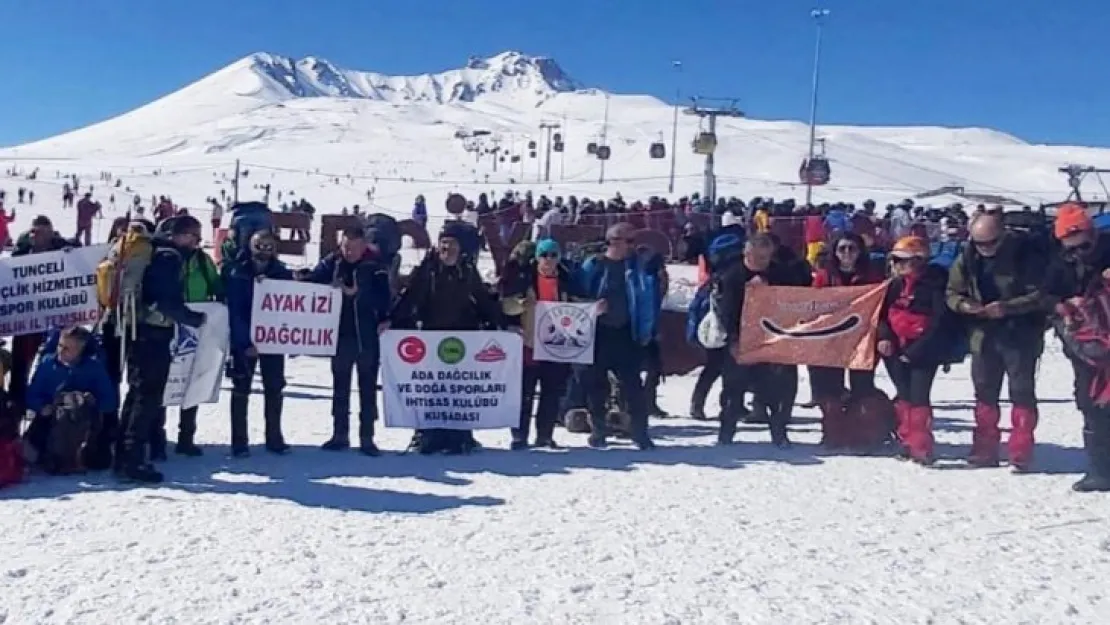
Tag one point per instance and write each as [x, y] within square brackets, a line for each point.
[1073, 278]
[442, 297]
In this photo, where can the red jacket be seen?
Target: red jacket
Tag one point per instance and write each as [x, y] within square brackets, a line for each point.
[814, 229]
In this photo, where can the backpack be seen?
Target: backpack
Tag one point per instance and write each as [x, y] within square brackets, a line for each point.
[247, 218]
[383, 231]
[119, 278]
[1086, 332]
[942, 256]
[72, 430]
[695, 312]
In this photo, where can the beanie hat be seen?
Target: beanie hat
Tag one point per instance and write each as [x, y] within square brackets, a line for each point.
[547, 246]
[1070, 219]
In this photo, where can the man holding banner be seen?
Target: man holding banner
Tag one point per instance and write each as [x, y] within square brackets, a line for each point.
[257, 264]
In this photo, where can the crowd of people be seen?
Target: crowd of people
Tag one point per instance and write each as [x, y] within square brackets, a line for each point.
[1002, 291]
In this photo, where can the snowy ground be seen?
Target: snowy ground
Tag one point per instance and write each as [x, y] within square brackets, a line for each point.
[689, 533]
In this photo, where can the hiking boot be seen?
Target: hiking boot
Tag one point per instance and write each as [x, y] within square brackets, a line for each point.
[518, 445]
[336, 444]
[368, 448]
[986, 436]
[279, 448]
[546, 443]
[187, 449]
[240, 452]
[1092, 483]
[141, 474]
[644, 444]
[597, 442]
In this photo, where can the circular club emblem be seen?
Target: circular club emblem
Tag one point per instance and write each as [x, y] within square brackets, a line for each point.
[412, 350]
[566, 332]
[451, 350]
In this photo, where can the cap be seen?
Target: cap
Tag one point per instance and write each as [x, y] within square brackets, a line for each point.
[910, 247]
[547, 246]
[1070, 219]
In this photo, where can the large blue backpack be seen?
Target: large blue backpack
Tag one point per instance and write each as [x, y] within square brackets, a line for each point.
[943, 255]
[247, 218]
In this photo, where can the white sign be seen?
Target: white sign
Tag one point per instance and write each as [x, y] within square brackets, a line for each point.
[53, 289]
[198, 356]
[296, 318]
[451, 380]
[564, 332]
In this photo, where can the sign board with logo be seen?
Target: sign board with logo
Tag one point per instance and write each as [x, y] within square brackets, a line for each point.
[296, 318]
[49, 290]
[564, 332]
[198, 355]
[451, 380]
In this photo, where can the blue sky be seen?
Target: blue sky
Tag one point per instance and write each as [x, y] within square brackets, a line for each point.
[1029, 67]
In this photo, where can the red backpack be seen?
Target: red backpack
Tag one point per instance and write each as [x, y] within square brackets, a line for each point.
[1085, 332]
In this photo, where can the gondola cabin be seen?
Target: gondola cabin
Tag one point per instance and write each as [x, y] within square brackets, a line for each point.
[658, 150]
[557, 137]
[515, 159]
[815, 171]
[558, 147]
[591, 148]
[705, 143]
[531, 145]
[603, 152]
[532, 154]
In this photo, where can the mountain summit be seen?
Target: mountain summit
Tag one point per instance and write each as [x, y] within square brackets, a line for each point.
[509, 73]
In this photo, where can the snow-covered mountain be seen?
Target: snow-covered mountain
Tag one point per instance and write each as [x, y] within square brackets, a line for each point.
[478, 127]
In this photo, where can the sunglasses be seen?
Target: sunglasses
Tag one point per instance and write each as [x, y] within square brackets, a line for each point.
[628, 241]
[551, 255]
[264, 247]
[847, 248]
[986, 244]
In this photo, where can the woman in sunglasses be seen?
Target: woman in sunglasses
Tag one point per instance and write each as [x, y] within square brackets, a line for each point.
[912, 341]
[847, 265]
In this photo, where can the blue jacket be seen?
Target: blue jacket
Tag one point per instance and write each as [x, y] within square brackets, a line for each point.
[164, 288]
[87, 375]
[643, 293]
[239, 280]
[362, 312]
[837, 221]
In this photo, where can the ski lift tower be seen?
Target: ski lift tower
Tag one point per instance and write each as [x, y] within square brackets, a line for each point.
[705, 143]
[1076, 174]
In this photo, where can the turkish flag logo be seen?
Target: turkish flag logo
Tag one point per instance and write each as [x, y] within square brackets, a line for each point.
[412, 350]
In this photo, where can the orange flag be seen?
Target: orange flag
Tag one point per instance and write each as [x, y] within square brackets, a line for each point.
[830, 327]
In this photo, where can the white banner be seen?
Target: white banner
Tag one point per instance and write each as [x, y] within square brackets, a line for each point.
[296, 318]
[198, 361]
[54, 289]
[452, 380]
[564, 332]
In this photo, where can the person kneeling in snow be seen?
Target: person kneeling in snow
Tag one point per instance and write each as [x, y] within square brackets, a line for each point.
[69, 391]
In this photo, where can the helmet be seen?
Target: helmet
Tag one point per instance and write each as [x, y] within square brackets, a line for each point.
[911, 247]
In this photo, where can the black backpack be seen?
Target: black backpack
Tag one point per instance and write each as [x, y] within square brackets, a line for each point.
[383, 231]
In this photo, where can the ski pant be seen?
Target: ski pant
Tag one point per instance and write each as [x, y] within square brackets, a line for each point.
[828, 382]
[551, 377]
[1096, 421]
[774, 386]
[913, 382]
[84, 234]
[272, 368]
[349, 357]
[715, 362]
[148, 368]
[1018, 363]
[24, 350]
[653, 366]
[614, 350]
[186, 429]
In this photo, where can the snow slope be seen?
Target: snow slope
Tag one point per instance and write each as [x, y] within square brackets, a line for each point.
[300, 124]
[689, 533]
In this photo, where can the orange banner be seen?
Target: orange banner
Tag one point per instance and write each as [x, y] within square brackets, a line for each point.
[831, 327]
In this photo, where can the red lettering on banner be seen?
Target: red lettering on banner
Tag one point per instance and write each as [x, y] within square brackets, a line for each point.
[321, 304]
[284, 335]
[284, 303]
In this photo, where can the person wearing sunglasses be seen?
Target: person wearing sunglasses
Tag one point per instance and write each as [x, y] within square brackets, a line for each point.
[994, 285]
[259, 262]
[627, 323]
[848, 265]
[535, 274]
[911, 340]
[1082, 265]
